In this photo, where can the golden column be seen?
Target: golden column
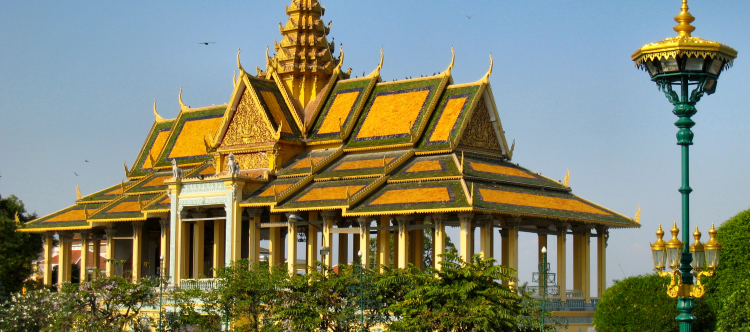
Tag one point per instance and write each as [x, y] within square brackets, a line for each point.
[328, 217]
[110, 262]
[562, 256]
[601, 259]
[343, 246]
[291, 240]
[384, 243]
[84, 276]
[487, 237]
[417, 250]
[364, 241]
[137, 249]
[199, 238]
[403, 246]
[438, 239]
[164, 247]
[275, 246]
[64, 264]
[48, 243]
[254, 235]
[467, 236]
[312, 241]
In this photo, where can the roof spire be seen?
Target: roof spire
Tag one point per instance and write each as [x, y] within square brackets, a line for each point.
[156, 114]
[684, 19]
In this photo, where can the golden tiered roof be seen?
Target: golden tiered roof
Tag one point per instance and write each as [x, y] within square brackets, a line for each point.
[363, 147]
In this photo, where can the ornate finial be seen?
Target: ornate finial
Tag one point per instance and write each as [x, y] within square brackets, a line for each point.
[125, 164]
[78, 191]
[239, 65]
[712, 232]
[341, 58]
[697, 234]
[674, 231]
[156, 114]
[684, 19]
[512, 147]
[447, 72]
[18, 220]
[486, 78]
[637, 217]
[179, 98]
[376, 72]
[567, 179]
[659, 233]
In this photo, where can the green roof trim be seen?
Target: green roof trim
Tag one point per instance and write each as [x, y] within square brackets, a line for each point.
[362, 86]
[304, 200]
[504, 171]
[300, 163]
[108, 194]
[77, 219]
[125, 208]
[425, 167]
[151, 183]
[470, 94]
[262, 85]
[138, 169]
[208, 113]
[161, 203]
[567, 205]
[266, 191]
[445, 195]
[433, 85]
[353, 165]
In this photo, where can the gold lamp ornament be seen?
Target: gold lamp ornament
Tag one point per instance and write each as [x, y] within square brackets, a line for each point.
[658, 250]
[713, 249]
[674, 247]
[696, 249]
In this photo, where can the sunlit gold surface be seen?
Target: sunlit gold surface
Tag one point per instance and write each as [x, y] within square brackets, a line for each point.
[276, 112]
[448, 119]
[125, 207]
[507, 197]
[393, 114]
[156, 148]
[329, 193]
[73, 215]
[407, 196]
[340, 109]
[496, 169]
[424, 166]
[190, 141]
[362, 164]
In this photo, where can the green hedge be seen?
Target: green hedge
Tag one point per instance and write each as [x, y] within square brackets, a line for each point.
[641, 304]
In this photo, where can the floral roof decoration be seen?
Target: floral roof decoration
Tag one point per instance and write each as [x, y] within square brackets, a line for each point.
[396, 112]
[450, 116]
[342, 108]
[187, 140]
[151, 149]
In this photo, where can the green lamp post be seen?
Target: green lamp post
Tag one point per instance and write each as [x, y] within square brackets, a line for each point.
[685, 62]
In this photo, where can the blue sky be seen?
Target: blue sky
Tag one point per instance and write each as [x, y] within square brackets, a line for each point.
[78, 79]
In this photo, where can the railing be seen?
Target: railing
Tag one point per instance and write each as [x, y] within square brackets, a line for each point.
[574, 293]
[204, 284]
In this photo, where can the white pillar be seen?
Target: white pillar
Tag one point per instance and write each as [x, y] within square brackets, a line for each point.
[438, 239]
[467, 236]
[364, 241]
[291, 249]
[562, 255]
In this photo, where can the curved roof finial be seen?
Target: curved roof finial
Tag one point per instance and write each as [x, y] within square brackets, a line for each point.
[447, 72]
[376, 72]
[78, 194]
[684, 19]
[341, 59]
[156, 114]
[239, 65]
[486, 78]
[234, 78]
[179, 97]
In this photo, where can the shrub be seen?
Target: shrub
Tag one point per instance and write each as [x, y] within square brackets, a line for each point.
[641, 303]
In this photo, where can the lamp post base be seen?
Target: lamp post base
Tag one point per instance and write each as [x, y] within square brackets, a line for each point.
[685, 306]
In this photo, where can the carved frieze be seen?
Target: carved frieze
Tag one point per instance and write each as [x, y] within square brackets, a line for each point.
[203, 187]
[198, 201]
[480, 133]
[247, 125]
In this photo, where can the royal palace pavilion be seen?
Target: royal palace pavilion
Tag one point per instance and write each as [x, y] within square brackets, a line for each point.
[303, 153]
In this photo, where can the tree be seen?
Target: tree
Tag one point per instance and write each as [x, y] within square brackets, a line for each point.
[28, 312]
[630, 303]
[17, 249]
[731, 275]
[461, 296]
[736, 314]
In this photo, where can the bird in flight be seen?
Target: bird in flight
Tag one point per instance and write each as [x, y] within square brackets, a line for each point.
[468, 16]
[206, 43]
[75, 173]
[86, 160]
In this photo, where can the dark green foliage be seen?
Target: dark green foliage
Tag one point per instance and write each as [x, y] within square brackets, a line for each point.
[17, 249]
[460, 296]
[641, 303]
[734, 235]
[735, 317]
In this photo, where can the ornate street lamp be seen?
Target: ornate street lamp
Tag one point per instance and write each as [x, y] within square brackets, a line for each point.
[684, 61]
